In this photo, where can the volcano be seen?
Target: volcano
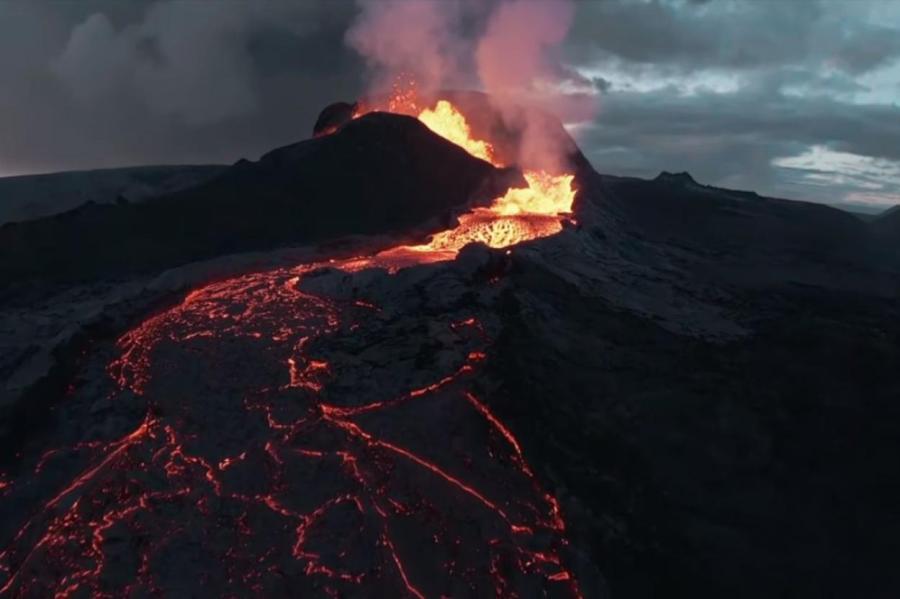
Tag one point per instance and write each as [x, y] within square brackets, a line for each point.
[392, 361]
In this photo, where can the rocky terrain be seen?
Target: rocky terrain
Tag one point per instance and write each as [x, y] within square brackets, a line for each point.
[29, 197]
[689, 392]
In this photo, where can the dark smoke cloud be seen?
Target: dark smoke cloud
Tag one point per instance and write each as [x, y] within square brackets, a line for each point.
[112, 83]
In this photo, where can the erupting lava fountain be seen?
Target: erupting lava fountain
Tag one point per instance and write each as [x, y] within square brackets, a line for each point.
[520, 215]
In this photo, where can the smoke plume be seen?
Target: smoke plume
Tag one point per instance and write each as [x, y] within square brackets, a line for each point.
[512, 55]
[408, 38]
[516, 67]
[510, 52]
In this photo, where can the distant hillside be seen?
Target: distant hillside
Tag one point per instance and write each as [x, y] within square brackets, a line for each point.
[673, 207]
[887, 227]
[378, 174]
[892, 212]
[863, 212]
[34, 196]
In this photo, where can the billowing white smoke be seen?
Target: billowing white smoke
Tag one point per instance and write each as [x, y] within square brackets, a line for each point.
[416, 38]
[512, 55]
[516, 69]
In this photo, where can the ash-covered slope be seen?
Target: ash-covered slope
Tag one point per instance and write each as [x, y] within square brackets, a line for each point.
[751, 240]
[382, 173]
[732, 378]
[677, 209]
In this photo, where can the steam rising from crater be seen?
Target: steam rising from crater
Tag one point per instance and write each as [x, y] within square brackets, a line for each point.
[415, 38]
[511, 54]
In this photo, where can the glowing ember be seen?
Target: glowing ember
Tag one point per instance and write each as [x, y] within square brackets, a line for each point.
[297, 484]
[404, 99]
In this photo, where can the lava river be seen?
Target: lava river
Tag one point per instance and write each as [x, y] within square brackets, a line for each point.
[273, 460]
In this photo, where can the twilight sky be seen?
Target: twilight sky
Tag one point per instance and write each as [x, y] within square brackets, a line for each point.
[792, 98]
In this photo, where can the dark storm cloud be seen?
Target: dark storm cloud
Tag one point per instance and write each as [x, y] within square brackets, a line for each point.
[735, 34]
[728, 90]
[110, 83]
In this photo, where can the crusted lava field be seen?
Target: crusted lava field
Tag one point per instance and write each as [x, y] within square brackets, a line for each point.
[287, 449]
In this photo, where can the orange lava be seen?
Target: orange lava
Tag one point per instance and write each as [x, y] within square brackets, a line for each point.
[445, 120]
[319, 475]
[519, 215]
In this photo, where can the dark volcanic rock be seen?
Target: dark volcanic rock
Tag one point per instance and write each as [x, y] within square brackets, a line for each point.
[381, 173]
[752, 460]
[332, 117]
[750, 239]
[886, 227]
[682, 178]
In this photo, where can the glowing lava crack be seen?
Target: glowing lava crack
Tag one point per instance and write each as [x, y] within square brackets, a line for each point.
[266, 454]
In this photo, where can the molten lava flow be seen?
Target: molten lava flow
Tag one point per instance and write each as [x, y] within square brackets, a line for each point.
[262, 469]
[547, 195]
[519, 215]
[445, 120]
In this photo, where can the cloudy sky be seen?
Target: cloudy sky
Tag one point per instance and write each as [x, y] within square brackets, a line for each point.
[791, 98]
